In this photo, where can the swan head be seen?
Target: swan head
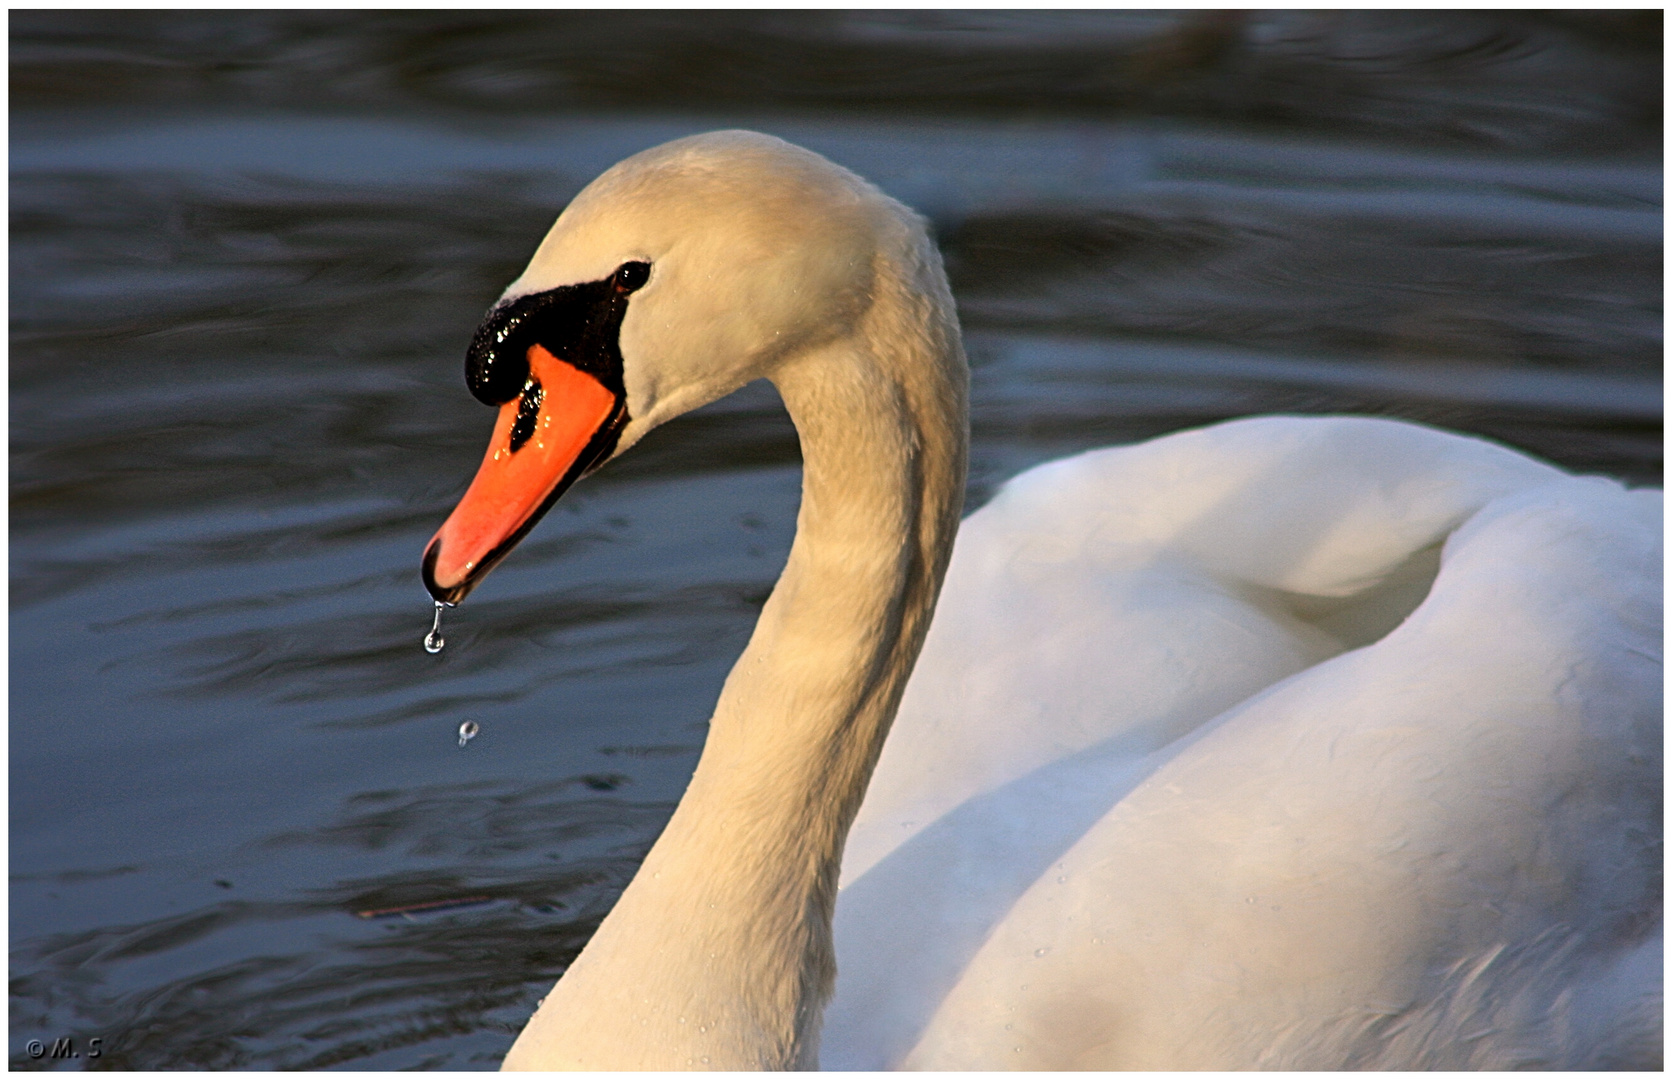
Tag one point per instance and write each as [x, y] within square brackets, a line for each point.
[676, 277]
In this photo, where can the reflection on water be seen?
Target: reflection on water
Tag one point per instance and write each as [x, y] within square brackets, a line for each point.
[247, 257]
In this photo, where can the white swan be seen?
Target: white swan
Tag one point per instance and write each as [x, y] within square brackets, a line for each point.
[1307, 743]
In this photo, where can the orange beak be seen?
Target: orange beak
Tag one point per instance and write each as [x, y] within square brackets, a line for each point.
[562, 423]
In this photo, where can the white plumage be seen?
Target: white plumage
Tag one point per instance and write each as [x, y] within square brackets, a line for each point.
[1182, 781]
[1305, 743]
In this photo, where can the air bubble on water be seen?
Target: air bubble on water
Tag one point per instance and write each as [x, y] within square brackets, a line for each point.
[467, 731]
[433, 641]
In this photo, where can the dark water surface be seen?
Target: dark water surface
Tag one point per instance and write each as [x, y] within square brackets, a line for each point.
[247, 254]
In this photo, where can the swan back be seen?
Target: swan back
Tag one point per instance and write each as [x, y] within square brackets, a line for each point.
[1268, 717]
[1089, 584]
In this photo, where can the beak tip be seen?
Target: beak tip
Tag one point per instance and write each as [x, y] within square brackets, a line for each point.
[442, 594]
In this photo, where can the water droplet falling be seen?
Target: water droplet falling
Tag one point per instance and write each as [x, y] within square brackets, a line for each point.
[433, 641]
[467, 731]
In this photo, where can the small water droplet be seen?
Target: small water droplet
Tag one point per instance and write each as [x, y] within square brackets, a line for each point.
[681, 1019]
[1007, 1027]
[1061, 880]
[705, 1059]
[1042, 951]
[433, 641]
[467, 731]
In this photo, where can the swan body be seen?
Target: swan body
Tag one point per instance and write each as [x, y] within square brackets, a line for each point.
[1305, 743]
[1287, 743]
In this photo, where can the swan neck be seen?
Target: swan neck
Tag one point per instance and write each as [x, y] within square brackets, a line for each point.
[719, 954]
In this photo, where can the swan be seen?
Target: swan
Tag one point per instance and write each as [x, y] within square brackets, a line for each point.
[1287, 742]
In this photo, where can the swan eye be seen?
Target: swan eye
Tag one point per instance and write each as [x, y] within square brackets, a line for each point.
[630, 277]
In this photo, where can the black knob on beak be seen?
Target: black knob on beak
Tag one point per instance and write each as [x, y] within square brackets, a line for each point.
[496, 367]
